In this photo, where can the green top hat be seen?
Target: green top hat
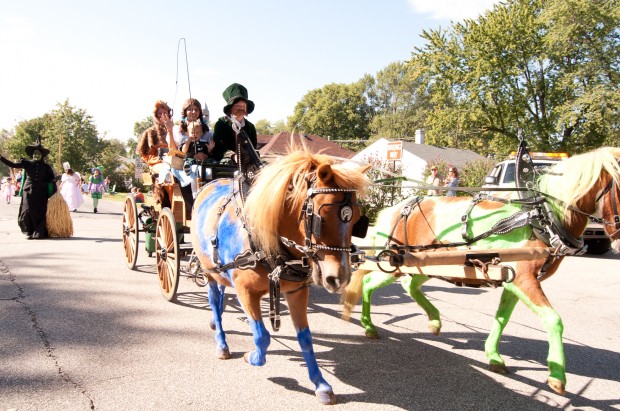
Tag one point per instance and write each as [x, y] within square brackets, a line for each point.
[31, 149]
[234, 93]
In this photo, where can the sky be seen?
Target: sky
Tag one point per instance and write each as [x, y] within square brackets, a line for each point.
[115, 58]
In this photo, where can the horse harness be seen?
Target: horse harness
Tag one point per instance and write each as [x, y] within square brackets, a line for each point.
[285, 266]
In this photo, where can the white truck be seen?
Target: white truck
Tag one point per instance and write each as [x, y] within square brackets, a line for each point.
[503, 175]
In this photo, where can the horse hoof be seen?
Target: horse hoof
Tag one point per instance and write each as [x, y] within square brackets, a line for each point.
[556, 385]
[498, 368]
[372, 335]
[326, 398]
[222, 353]
[434, 329]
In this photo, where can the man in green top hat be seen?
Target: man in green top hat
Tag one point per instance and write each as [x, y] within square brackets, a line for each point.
[237, 107]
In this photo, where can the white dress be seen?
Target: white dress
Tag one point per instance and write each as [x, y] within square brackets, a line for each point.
[70, 190]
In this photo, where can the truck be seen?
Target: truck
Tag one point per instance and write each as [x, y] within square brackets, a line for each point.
[503, 176]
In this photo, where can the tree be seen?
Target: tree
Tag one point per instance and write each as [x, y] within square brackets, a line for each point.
[529, 65]
[263, 126]
[339, 111]
[399, 102]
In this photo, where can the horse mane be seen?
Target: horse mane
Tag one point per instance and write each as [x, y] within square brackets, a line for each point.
[571, 179]
[281, 187]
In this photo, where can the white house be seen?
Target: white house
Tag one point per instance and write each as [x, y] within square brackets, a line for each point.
[414, 156]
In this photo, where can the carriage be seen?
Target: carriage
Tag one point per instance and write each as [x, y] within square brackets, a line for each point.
[165, 230]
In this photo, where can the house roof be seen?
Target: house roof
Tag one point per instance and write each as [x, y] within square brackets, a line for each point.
[454, 156]
[279, 143]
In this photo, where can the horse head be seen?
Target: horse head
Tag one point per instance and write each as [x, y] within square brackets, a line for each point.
[308, 210]
[610, 204]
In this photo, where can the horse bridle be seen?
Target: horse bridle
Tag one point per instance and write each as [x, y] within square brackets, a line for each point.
[313, 221]
[612, 187]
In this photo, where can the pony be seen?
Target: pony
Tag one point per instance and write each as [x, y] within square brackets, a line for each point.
[292, 229]
[578, 188]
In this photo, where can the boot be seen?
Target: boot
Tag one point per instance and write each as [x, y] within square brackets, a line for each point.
[95, 209]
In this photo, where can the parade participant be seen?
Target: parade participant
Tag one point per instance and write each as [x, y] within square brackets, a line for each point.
[70, 187]
[152, 139]
[96, 187]
[433, 180]
[155, 137]
[38, 186]
[8, 189]
[193, 135]
[452, 181]
[195, 140]
[237, 106]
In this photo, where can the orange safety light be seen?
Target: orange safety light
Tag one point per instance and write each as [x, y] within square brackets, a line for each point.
[537, 155]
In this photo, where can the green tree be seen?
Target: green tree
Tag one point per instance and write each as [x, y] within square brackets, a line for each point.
[529, 65]
[338, 111]
[399, 102]
[263, 126]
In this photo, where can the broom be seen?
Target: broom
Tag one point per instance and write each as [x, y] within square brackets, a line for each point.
[58, 218]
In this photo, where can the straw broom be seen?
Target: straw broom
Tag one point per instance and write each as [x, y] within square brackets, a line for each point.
[59, 223]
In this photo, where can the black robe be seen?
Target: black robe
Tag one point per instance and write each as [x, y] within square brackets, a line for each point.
[40, 182]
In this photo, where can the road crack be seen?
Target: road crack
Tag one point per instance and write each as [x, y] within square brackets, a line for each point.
[32, 315]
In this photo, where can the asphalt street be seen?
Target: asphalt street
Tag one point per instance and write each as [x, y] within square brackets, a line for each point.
[80, 331]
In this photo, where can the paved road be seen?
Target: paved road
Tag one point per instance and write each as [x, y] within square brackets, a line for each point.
[80, 331]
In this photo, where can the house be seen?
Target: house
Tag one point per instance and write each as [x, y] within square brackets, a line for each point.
[414, 156]
[277, 145]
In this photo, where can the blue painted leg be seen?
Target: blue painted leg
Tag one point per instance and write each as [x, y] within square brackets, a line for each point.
[262, 339]
[216, 301]
[324, 392]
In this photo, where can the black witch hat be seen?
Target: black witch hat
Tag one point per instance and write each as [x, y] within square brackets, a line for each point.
[37, 147]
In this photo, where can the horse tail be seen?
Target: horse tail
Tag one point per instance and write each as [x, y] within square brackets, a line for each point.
[352, 293]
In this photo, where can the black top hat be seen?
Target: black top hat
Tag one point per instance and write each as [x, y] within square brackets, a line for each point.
[31, 149]
[234, 93]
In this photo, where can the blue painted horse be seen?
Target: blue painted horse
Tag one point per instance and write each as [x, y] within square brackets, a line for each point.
[293, 228]
[580, 187]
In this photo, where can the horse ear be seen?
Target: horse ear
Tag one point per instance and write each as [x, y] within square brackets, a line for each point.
[325, 173]
[365, 168]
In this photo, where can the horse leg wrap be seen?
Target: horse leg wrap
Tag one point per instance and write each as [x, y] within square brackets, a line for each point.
[324, 391]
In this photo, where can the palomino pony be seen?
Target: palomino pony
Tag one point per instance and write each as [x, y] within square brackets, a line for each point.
[294, 229]
[579, 187]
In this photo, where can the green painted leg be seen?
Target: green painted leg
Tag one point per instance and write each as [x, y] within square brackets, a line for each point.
[412, 285]
[552, 322]
[507, 304]
[372, 282]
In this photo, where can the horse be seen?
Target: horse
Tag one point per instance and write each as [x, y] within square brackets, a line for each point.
[292, 229]
[578, 188]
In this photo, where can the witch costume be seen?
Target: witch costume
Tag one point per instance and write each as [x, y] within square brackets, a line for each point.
[37, 188]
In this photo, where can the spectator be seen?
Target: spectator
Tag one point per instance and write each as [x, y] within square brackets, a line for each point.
[434, 180]
[452, 181]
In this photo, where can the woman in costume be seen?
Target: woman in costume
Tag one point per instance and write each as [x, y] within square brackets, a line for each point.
[37, 188]
[96, 187]
[70, 188]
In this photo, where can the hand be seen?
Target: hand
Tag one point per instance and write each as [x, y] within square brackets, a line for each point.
[200, 157]
[211, 145]
[166, 121]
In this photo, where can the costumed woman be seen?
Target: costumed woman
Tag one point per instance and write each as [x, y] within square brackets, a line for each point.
[96, 187]
[70, 187]
[152, 139]
[194, 139]
[37, 188]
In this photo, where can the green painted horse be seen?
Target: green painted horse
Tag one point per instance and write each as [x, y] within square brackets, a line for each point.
[582, 186]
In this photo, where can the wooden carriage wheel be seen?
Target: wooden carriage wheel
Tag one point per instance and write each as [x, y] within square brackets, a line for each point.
[131, 232]
[167, 253]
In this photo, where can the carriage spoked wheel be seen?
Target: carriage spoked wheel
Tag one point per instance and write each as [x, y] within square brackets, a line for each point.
[167, 253]
[131, 233]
